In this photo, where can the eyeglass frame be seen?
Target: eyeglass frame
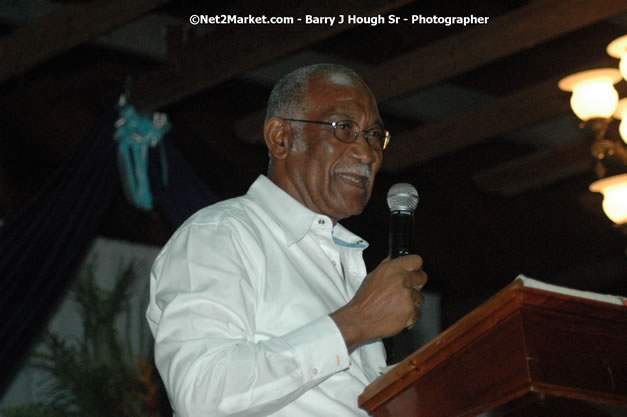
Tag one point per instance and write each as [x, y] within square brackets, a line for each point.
[334, 124]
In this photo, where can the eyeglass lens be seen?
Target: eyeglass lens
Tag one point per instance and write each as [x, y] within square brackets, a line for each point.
[348, 131]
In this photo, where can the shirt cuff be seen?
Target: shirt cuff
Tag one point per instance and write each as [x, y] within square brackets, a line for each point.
[320, 348]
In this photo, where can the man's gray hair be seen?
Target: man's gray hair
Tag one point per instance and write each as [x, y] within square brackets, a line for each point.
[288, 97]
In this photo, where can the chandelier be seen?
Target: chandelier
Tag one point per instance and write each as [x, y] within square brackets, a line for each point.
[595, 101]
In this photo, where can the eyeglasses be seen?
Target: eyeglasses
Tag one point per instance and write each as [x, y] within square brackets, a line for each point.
[347, 131]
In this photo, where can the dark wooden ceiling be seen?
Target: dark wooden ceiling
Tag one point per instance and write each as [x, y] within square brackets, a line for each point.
[492, 206]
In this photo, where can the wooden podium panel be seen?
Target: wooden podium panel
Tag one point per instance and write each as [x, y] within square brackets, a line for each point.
[524, 352]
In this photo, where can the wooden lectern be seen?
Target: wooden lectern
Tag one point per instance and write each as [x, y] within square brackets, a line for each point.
[524, 352]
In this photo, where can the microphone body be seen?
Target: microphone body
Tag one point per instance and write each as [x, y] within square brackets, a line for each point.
[401, 226]
[402, 200]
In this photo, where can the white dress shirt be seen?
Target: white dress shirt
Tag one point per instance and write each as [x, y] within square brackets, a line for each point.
[239, 307]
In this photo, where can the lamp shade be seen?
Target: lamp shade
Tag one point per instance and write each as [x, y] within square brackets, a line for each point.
[621, 113]
[618, 49]
[614, 190]
[594, 94]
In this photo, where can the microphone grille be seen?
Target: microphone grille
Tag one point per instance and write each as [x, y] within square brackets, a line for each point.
[402, 197]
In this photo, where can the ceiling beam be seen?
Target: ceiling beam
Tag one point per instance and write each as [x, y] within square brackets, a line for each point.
[537, 169]
[456, 132]
[523, 28]
[223, 54]
[519, 109]
[59, 31]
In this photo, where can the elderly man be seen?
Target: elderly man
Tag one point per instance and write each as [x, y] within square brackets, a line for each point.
[262, 305]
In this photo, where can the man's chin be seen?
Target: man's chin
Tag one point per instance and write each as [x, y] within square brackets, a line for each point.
[350, 210]
[351, 200]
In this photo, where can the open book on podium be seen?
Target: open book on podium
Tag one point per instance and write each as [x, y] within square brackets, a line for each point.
[532, 349]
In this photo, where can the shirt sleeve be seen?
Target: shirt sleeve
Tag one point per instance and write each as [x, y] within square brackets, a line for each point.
[202, 314]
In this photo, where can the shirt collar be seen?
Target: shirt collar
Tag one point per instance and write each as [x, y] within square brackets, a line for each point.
[344, 237]
[294, 219]
[291, 216]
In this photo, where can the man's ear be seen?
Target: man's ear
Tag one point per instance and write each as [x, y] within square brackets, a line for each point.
[278, 136]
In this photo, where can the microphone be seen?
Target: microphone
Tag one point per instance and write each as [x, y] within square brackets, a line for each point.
[402, 200]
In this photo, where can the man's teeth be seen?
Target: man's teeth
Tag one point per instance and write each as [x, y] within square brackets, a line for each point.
[357, 179]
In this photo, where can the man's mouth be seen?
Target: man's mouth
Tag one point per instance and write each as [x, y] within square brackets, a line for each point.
[354, 179]
[357, 177]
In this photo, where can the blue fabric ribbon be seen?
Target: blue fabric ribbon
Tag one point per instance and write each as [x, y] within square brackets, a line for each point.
[135, 135]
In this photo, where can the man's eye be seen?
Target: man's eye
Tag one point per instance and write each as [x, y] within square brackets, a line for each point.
[377, 134]
[344, 125]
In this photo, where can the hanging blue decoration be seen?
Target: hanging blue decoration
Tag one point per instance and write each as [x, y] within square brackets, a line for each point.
[135, 135]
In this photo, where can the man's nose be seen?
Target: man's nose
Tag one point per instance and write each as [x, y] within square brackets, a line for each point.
[360, 148]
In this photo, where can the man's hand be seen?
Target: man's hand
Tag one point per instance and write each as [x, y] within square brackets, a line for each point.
[388, 301]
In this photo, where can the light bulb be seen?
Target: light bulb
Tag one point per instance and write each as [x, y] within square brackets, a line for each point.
[618, 49]
[594, 99]
[594, 94]
[621, 113]
[614, 190]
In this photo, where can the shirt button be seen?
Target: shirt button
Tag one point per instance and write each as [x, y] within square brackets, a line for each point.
[333, 263]
[314, 371]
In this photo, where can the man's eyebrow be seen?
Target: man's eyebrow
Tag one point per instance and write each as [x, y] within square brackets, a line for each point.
[346, 116]
[343, 116]
[377, 123]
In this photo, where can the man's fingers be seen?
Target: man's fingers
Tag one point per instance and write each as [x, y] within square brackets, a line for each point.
[412, 321]
[409, 262]
[415, 280]
[418, 298]
[420, 279]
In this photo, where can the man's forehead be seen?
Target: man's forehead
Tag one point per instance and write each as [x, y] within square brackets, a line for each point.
[344, 82]
[342, 79]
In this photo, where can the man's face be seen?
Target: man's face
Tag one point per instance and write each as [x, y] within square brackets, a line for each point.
[328, 176]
